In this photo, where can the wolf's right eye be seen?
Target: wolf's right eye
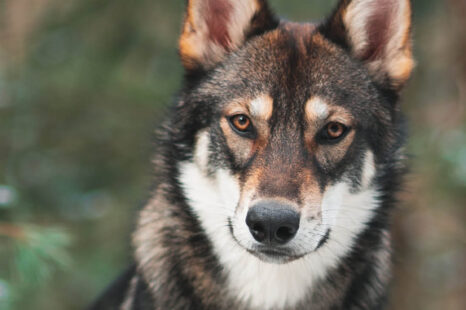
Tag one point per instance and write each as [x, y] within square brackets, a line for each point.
[241, 124]
[333, 132]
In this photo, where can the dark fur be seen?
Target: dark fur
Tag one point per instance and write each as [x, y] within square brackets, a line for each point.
[300, 61]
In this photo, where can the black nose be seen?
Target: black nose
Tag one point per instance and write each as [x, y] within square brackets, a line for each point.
[272, 223]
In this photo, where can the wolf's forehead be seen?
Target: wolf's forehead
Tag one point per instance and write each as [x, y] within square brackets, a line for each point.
[298, 45]
[286, 61]
[292, 69]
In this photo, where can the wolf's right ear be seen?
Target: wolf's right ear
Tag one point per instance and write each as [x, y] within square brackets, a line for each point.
[214, 28]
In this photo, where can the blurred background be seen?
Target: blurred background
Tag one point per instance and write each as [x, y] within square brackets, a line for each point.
[84, 83]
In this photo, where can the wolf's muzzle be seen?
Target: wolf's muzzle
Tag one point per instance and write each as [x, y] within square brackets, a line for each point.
[272, 223]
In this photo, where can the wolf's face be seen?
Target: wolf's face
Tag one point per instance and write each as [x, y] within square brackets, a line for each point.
[290, 140]
[293, 122]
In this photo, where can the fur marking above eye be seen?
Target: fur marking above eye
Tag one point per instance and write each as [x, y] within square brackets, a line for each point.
[316, 109]
[261, 107]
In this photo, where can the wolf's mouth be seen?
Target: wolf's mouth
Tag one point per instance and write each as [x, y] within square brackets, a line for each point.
[272, 252]
[274, 255]
[280, 255]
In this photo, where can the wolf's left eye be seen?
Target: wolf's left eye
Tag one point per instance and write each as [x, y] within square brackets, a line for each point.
[333, 131]
[241, 124]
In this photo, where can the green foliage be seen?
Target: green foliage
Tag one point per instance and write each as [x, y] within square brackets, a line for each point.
[39, 252]
[36, 252]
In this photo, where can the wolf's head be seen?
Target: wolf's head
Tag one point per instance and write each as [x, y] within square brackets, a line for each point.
[290, 134]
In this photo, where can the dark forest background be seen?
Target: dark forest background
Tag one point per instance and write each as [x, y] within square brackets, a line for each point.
[84, 83]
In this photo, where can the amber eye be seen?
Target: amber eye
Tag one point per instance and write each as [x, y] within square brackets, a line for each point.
[241, 123]
[334, 130]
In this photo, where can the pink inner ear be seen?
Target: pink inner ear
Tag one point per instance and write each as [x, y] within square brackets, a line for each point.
[217, 18]
[378, 29]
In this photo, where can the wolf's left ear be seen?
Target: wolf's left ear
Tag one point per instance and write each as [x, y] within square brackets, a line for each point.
[377, 32]
[213, 28]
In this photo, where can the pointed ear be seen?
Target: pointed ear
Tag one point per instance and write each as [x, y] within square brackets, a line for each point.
[377, 32]
[213, 28]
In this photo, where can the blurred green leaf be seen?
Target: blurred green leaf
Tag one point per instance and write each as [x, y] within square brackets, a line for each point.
[41, 251]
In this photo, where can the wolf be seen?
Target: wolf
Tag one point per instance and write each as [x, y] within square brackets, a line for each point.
[278, 164]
